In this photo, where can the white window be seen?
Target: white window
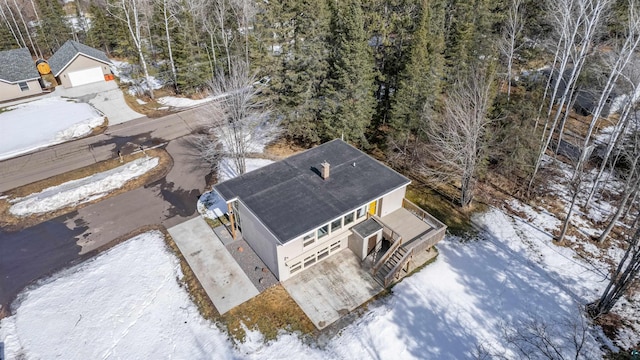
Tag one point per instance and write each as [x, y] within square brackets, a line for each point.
[348, 219]
[23, 86]
[361, 212]
[323, 231]
[335, 225]
[308, 239]
[295, 267]
[335, 246]
[323, 253]
[310, 260]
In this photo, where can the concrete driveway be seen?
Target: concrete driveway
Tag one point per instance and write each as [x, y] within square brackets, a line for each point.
[221, 277]
[332, 288]
[104, 96]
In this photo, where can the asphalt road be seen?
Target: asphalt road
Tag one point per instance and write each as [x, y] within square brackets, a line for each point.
[65, 157]
[33, 253]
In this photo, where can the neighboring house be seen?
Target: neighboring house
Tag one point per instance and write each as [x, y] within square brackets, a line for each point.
[299, 211]
[75, 64]
[18, 75]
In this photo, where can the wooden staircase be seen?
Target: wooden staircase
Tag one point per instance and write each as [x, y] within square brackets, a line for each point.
[389, 267]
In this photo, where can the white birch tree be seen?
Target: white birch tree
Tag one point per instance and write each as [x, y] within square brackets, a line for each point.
[238, 119]
[168, 15]
[511, 34]
[130, 12]
[576, 24]
[622, 279]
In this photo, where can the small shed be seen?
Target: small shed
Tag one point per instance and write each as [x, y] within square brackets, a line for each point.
[76, 64]
[366, 237]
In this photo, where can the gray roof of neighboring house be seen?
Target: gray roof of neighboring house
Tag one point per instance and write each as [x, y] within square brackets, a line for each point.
[69, 51]
[17, 65]
[290, 198]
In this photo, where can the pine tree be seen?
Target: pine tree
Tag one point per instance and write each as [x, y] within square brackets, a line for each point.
[349, 103]
[106, 32]
[469, 34]
[190, 60]
[293, 36]
[389, 25]
[421, 81]
[54, 29]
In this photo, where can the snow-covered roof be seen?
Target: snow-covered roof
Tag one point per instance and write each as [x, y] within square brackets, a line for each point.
[17, 65]
[71, 50]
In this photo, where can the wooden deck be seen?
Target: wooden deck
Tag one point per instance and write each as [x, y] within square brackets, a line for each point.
[406, 224]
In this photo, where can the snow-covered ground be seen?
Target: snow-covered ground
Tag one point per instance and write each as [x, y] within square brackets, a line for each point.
[480, 297]
[33, 125]
[179, 102]
[137, 86]
[124, 304]
[210, 204]
[81, 190]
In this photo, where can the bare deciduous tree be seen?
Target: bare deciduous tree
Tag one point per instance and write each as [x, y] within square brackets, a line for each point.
[624, 276]
[130, 12]
[632, 181]
[539, 339]
[576, 25]
[458, 142]
[168, 14]
[511, 34]
[238, 119]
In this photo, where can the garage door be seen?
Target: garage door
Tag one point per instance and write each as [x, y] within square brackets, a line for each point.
[86, 76]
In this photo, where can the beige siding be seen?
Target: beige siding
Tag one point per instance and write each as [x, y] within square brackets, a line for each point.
[81, 63]
[392, 201]
[12, 91]
[356, 244]
[294, 252]
[259, 238]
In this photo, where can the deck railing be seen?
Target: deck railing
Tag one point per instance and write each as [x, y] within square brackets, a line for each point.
[395, 239]
[394, 274]
[421, 214]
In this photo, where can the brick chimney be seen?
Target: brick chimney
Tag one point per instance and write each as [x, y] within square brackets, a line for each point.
[325, 170]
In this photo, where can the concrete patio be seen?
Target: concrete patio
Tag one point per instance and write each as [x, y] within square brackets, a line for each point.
[220, 275]
[332, 288]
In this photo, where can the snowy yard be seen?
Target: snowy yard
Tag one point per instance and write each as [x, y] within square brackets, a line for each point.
[137, 86]
[472, 300]
[37, 124]
[82, 190]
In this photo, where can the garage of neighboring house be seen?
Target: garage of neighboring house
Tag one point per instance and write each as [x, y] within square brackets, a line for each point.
[76, 64]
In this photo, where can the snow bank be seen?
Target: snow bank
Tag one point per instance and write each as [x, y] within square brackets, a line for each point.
[82, 190]
[182, 102]
[124, 304]
[33, 125]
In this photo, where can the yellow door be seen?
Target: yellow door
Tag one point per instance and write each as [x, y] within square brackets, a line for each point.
[372, 208]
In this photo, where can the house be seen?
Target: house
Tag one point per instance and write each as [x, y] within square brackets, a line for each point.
[76, 64]
[302, 210]
[18, 75]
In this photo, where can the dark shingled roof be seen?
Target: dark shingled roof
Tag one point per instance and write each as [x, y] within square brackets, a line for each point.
[17, 65]
[68, 51]
[290, 197]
